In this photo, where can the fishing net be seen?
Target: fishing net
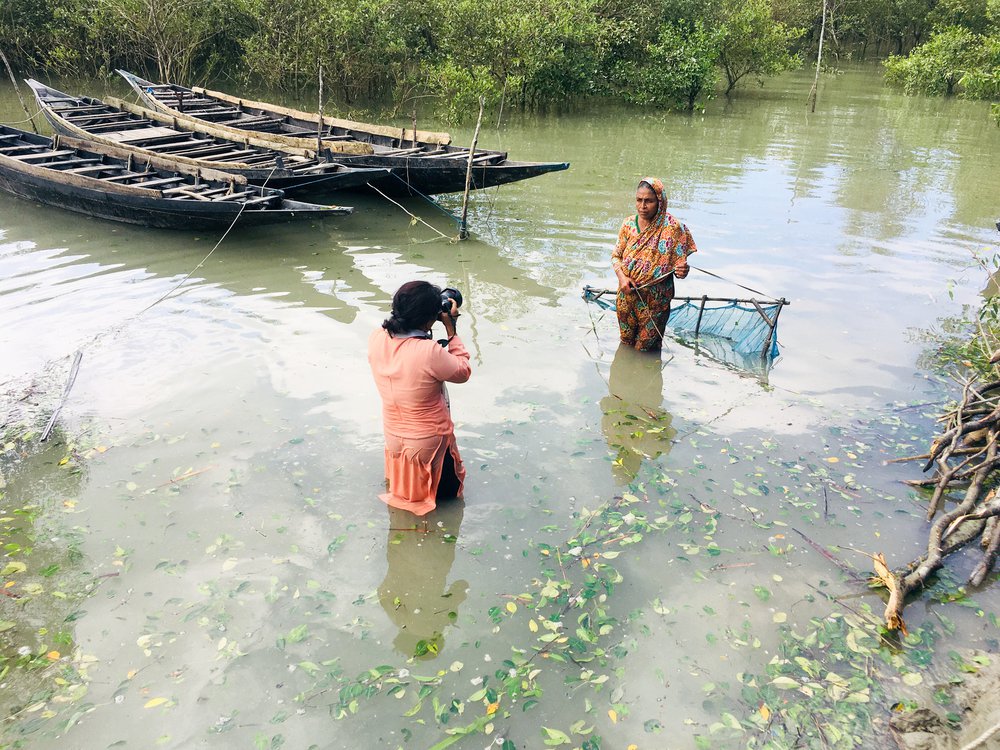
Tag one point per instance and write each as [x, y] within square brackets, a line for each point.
[748, 326]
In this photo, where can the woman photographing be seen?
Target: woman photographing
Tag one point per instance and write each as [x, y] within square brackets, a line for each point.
[422, 464]
[652, 249]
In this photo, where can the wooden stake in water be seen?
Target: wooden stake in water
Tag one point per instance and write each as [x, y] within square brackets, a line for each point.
[463, 232]
[319, 119]
[17, 91]
[819, 60]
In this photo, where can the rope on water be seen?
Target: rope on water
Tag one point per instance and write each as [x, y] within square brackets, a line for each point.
[199, 265]
[21, 122]
[121, 326]
[426, 198]
[412, 215]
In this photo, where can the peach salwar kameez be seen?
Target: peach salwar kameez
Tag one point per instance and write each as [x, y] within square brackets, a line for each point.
[410, 373]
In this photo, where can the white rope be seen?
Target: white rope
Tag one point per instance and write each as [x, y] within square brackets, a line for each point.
[200, 264]
[21, 122]
[202, 261]
[411, 215]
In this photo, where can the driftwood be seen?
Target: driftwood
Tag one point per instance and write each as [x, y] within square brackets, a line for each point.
[965, 458]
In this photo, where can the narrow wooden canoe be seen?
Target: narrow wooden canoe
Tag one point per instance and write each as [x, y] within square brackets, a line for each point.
[110, 183]
[157, 134]
[420, 162]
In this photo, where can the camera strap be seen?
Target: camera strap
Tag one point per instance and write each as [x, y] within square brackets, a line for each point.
[414, 334]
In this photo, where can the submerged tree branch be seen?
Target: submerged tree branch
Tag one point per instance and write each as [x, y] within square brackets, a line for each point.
[965, 458]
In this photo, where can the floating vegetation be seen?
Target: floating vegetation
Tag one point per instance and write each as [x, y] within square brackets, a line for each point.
[41, 588]
[545, 654]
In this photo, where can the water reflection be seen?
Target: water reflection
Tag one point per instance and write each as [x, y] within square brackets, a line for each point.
[634, 424]
[415, 592]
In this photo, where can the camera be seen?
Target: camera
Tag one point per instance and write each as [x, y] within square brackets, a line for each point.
[447, 295]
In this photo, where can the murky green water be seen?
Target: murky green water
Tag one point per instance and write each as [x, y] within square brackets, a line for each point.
[223, 503]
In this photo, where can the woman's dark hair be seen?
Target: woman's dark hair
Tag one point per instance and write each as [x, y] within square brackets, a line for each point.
[413, 305]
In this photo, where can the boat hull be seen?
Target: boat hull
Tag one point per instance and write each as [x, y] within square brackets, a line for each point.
[138, 130]
[149, 212]
[415, 177]
[423, 167]
[94, 180]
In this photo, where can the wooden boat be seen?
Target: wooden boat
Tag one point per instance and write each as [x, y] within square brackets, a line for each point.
[420, 162]
[156, 134]
[109, 183]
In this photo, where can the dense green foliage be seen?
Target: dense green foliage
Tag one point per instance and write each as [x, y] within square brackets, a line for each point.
[962, 56]
[513, 53]
[951, 59]
[753, 43]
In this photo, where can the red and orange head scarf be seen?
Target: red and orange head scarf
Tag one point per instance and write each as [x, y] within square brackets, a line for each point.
[656, 251]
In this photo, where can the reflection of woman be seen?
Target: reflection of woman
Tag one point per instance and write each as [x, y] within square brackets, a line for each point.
[652, 248]
[634, 424]
[415, 593]
[421, 457]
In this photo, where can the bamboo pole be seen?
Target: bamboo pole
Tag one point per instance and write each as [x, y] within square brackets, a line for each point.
[701, 312]
[819, 60]
[73, 370]
[319, 119]
[31, 117]
[463, 232]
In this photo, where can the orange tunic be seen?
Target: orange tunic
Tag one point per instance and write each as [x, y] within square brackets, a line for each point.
[410, 374]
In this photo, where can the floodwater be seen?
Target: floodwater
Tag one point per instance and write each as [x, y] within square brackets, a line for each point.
[212, 565]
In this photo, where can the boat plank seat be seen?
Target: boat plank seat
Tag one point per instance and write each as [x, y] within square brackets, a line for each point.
[63, 111]
[42, 155]
[188, 98]
[235, 196]
[201, 107]
[157, 182]
[163, 143]
[117, 126]
[182, 148]
[183, 193]
[175, 147]
[201, 189]
[323, 166]
[234, 155]
[202, 150]
[463, 152]
[59, 163]
[260, 160]
[303, 132]
[400, 151]
[133, 136]
[242, 122]
[88, 117]
[122, 177]
[258, 200]
[96, 169]
[9, 150]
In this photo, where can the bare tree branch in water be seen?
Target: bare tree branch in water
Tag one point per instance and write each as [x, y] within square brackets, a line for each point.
[965, 458]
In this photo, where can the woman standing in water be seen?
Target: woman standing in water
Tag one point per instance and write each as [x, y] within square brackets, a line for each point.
[422, 464]
[652, 249]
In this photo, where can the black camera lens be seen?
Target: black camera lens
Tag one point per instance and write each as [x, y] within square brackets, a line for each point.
[447, 295]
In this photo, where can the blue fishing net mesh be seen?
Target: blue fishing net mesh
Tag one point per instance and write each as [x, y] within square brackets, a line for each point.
[740, 323]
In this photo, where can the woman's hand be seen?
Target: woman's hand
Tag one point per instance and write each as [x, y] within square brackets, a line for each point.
[448, 318]
[624, 282]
